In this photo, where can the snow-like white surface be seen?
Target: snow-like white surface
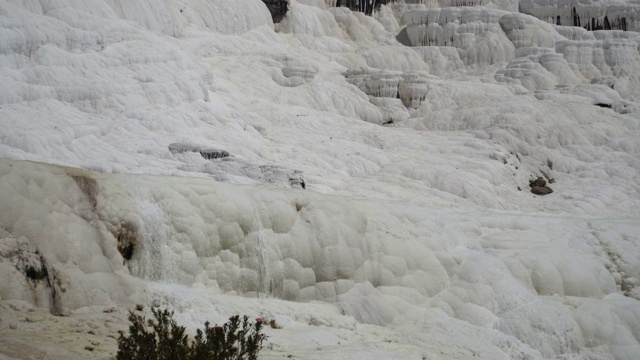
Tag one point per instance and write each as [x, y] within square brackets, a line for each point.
[369, 196]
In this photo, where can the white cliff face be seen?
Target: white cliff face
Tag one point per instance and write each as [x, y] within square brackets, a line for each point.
[362, 180]
[592, 15]
[475, 31]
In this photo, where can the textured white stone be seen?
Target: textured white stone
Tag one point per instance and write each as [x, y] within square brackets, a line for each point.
[475, 31]
[416, 239]
[615, 14]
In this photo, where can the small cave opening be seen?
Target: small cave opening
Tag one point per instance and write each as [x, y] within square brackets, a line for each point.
[126, 235]
[602, 105]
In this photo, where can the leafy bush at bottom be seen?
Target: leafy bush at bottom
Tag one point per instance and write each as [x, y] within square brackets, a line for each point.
[164, 339]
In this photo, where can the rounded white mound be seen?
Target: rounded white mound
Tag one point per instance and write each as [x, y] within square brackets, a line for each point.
[362, 181]
[381, 263]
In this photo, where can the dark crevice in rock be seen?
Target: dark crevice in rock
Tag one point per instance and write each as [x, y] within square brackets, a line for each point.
[211, 154]
[38, 271]
[364, 6]
[468, 3]
[207, 153]
[127, 237]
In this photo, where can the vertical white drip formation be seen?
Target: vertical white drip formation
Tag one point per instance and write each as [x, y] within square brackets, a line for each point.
[153, 259]
[254, 261]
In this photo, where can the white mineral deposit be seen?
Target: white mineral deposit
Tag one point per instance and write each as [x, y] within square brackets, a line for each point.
[416, 180]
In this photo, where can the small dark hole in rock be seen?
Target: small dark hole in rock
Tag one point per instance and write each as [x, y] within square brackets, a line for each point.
[127, 251]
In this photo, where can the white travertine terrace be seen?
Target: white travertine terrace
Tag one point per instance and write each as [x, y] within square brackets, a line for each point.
[411, 87]
[383, 263]
[475, 31]
[361, 180]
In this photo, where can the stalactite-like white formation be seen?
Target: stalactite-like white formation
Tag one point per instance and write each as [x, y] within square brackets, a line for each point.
[600, 54]
[384, 84]
[411, 87]
[575, 61]
[591, 15]
[475, 31]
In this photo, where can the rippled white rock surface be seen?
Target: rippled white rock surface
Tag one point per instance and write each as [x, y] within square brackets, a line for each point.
[362, 180]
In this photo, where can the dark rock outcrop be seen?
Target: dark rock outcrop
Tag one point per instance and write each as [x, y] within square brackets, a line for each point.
[277, 8]
[541, 190]
[539, 186]
[540, 182]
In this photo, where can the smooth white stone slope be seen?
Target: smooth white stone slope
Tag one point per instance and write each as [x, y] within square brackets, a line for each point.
[416, 235]
[521, 277]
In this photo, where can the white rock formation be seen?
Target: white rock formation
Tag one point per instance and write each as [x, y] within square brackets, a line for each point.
[411, 87]
[527, 31]
[412, 233]
[475, 31]
[591, 15]
[382, 263]
[538, 69]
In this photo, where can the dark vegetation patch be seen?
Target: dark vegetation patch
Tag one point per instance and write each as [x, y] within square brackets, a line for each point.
[35, 273]
[162, 338]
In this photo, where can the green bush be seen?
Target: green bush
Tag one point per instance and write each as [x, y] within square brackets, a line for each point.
[163, 339]
[36, 274]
